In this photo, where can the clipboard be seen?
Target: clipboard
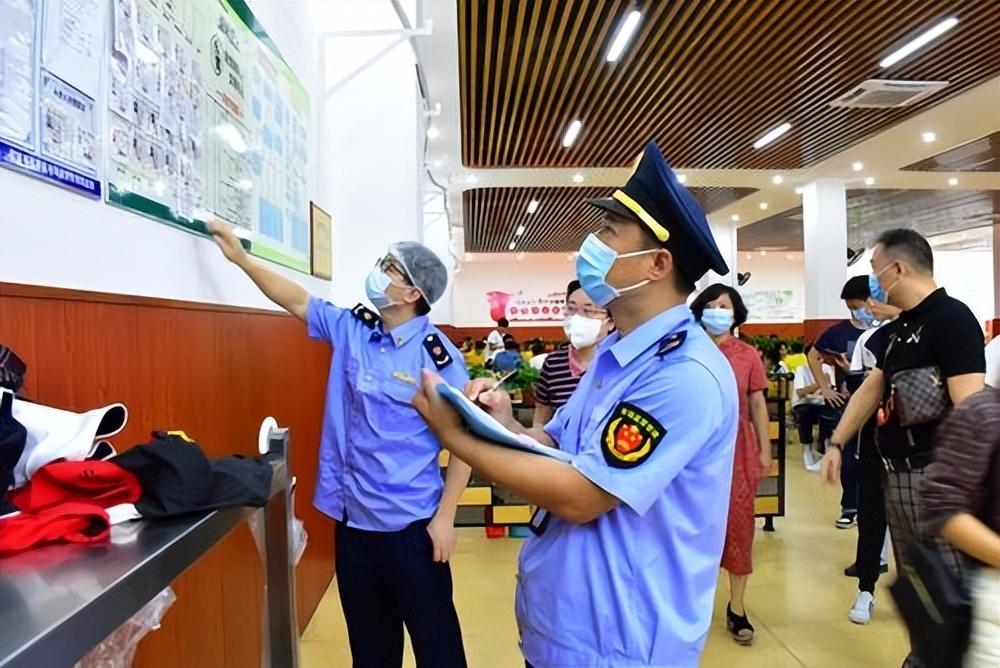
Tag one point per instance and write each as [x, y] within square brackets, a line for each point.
[484, 425]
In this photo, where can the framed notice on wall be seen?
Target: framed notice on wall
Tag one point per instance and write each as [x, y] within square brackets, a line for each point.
[322, 244]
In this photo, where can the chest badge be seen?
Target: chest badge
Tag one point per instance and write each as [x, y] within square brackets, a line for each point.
[435, 348]
[630, 436]
[404, 377]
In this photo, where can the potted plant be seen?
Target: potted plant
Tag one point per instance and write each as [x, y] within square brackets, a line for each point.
[522, 385]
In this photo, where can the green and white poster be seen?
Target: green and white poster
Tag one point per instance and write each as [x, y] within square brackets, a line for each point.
[206, 119]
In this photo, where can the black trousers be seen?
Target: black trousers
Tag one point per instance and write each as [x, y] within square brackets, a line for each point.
[871, 510]
[388, 580]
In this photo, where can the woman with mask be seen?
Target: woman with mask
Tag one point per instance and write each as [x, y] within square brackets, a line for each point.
[586, 325]
[720, 310]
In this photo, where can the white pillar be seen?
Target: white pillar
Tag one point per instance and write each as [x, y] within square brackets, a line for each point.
[824, 228]
[725, 239]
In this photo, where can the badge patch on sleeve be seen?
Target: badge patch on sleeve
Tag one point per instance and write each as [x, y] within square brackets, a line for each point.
[630, 436]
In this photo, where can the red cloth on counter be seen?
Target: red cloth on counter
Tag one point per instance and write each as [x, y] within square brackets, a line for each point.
[67, 522]
[98, 483]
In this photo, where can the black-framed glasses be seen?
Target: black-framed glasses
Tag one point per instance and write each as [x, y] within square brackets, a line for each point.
[586, 311]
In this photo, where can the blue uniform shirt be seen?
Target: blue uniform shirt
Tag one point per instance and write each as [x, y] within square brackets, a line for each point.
[378, 461]
[653, 422]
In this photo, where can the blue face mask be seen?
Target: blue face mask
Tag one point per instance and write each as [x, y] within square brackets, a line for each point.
[593, 263]
[863, 316]
[375, 286]
[717, 321]
[878, 293]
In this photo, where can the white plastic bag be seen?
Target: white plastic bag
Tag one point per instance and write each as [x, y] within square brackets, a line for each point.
[118, 649]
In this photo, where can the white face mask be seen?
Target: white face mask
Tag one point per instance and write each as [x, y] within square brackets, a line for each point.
[582, 332]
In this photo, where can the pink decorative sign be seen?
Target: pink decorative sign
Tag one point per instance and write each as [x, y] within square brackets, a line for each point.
[522, 307]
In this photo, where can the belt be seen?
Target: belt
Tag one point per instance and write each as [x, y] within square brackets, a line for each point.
[912, 463]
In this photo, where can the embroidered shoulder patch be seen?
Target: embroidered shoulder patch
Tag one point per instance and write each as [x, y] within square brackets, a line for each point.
[630, 436]
[439, 354]
[672, 342]
[365, 315]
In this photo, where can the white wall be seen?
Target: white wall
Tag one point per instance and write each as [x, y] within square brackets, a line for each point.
[537, 275]
[370, 139]
[965, 274]
[772, 274]
[967, 277]
[366, 177]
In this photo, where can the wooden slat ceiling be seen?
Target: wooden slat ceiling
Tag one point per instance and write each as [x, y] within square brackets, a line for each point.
[980, 155]
[705, 78]
[872, 212]
[493, 215]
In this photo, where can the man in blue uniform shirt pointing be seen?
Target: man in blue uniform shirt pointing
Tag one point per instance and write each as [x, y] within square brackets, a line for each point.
[623, 567]
[378, 463]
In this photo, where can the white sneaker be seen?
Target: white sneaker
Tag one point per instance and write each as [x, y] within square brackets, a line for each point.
[810, 459]
[861, 613]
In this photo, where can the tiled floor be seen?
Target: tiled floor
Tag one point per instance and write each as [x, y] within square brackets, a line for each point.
[798, 599]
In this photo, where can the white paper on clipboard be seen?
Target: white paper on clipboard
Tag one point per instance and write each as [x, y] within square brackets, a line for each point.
[486, 426]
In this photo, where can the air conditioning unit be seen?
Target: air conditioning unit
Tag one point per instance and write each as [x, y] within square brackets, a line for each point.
[887, 94]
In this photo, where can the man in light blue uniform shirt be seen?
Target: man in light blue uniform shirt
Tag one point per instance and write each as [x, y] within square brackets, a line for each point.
[378, 462]
[623, 568]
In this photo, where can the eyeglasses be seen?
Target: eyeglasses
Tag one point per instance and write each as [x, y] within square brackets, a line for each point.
[390, 264]
[586, 311]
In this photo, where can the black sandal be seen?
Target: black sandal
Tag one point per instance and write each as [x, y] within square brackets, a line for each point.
[739, 626]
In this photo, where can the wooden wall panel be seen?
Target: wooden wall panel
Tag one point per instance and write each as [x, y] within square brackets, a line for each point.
[215, 372]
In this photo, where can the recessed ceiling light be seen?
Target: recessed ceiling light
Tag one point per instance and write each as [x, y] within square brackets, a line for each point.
[777, 179]
[763, 253]
[870, 181]
[921, 40]
[735, 217]
[572, 132]
[772, 135]
[749, 256]
[763, 206]
[953, 181]
[682, 178]
[512, 245]
[578, 178]
[532, 206]
[928, 137]
[624, 33]
[857, 166]
[433, 132]
[520, 230]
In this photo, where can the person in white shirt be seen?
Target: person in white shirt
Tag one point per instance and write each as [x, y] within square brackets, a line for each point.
[993, 363]
[494, 342]
[538, 355]
[872, 553]
[811, 409]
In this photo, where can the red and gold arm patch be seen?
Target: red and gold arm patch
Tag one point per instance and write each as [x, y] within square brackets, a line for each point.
[630, 436]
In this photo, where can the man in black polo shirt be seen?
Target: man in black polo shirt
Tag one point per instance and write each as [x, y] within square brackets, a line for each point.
[933, 332]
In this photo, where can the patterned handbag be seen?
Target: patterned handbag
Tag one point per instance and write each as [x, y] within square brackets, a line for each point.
[919, 395]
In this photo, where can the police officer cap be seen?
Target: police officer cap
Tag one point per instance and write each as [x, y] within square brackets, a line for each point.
[424, 269]
[655, 198]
